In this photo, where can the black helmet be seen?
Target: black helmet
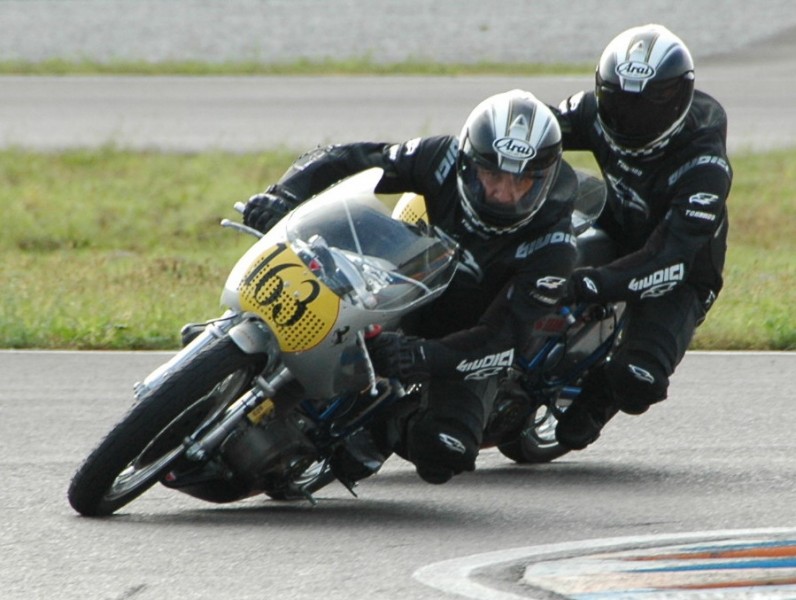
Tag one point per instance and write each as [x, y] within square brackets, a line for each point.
[515, 139]
[644, 88]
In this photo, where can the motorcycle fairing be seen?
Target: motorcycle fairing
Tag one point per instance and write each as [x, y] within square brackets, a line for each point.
[287, 295]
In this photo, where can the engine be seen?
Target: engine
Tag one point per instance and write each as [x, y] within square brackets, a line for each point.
[254, 459]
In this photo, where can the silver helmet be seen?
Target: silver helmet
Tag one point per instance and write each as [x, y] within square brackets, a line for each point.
[511, 138]
[644, 88]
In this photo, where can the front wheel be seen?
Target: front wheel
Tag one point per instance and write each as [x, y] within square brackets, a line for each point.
[140, 449]
[537, 442]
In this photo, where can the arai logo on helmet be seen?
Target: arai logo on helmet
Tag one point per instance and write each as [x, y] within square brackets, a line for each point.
[633, 69]
[514, 148]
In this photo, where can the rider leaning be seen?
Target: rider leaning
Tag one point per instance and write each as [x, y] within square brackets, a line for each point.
[661, 147]
[502, 192]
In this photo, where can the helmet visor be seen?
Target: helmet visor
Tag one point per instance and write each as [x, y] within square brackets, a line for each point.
[635, 119]
[502, 198]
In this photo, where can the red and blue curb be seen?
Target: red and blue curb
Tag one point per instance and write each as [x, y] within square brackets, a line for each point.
[721, 565]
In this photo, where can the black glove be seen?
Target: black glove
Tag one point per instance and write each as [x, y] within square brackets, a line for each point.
[398, 356]
[584, 285]
[266, 209]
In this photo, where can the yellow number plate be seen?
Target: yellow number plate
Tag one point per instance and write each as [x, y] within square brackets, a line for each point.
[280, 288]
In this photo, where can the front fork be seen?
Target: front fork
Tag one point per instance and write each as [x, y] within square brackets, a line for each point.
[248, 332]
[252, 336]
[257, 403]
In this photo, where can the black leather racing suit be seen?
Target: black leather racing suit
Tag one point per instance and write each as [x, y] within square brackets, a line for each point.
[503, 283]
[668, 216]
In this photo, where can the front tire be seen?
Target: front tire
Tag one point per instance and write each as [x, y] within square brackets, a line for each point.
[140, 449]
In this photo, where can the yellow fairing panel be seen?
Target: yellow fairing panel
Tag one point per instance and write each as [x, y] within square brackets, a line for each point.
[411, 208]
[280, 288]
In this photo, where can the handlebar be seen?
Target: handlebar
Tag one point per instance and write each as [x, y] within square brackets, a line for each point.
[240, 207]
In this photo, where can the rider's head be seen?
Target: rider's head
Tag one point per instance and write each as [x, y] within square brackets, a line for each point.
[509, 155]
[644, 88]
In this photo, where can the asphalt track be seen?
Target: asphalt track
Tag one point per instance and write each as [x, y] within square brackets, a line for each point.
[744, 55]
[249, 114]
[713, 464]
[716, 456]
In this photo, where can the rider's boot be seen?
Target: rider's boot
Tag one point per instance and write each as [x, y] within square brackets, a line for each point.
[582, 422]
[363, 453]
[360, 456]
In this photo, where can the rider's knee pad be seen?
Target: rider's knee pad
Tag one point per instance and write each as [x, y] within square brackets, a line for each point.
[434, 474]
[637, 381]
[441, 449]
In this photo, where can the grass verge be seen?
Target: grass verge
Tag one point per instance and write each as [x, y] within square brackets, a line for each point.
[302, 67]
[114, 249]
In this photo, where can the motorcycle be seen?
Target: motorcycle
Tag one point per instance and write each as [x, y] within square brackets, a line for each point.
[260, 399]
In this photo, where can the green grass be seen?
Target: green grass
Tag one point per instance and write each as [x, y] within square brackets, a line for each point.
[756, 308]
[301, 67]
[110, 249]
[115, 249]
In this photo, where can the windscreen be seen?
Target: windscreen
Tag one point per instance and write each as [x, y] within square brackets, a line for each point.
[354, 246]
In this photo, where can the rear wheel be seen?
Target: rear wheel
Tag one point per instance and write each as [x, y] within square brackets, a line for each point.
[143, 446]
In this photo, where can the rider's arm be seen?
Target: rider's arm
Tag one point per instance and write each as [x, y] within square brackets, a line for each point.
[406, 166]
[316, 170]
[507, 323]
[574, 120]
[414, 166]
[697, 215]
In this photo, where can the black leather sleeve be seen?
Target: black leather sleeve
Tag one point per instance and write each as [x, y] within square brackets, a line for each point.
[679, 244]
[318, 169]
[573, 119]
[506, 326]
